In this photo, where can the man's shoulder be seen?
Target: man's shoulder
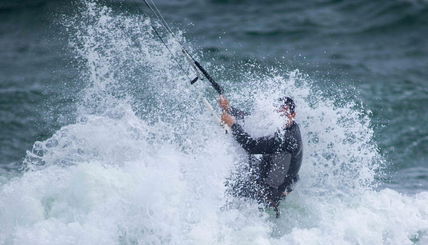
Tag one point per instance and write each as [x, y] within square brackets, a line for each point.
[292, 140]
[295, 129]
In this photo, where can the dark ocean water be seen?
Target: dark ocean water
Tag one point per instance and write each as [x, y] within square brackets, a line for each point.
[375, 51]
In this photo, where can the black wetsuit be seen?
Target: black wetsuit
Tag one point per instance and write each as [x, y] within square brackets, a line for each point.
[266, 179]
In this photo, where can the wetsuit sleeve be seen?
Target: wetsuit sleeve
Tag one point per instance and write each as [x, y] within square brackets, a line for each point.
[264, 145]
[238, 114]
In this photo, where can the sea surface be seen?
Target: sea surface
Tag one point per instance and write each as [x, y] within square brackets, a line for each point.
[104, 140]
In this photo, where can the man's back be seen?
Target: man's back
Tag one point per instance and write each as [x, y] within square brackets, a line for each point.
[283, 166]
[278, 168]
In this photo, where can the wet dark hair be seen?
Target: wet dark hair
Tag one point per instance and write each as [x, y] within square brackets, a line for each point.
[288, 102]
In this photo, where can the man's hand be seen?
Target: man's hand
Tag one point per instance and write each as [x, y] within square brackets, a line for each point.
[228, 119]
[224, 103]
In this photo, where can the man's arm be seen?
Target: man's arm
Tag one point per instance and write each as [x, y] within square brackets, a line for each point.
[264, 145]
[238, 114]
[225, 105]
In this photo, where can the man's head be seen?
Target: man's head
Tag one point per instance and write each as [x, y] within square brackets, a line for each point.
[287, 108]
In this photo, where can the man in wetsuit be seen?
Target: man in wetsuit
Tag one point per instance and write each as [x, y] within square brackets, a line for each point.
[272, 177]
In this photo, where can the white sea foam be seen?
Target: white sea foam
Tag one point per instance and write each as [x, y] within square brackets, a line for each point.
[145, 164]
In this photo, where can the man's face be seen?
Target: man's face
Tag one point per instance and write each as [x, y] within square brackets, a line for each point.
[284, 110]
